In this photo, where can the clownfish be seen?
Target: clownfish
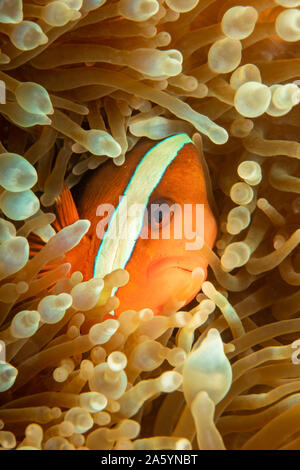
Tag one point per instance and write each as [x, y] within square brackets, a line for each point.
[148, 216]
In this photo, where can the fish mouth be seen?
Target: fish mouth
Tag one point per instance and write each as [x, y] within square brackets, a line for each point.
[180, 263]
[183, 269]
[187, 284]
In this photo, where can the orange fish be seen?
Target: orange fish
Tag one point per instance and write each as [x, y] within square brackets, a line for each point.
[150, 217]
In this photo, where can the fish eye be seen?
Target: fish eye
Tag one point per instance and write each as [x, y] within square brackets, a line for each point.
[159, 212]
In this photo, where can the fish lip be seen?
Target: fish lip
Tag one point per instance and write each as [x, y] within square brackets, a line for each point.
[157, 270]
[182, 263]
[183, 269]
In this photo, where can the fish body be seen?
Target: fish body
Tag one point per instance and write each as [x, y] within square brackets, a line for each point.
[148, 217]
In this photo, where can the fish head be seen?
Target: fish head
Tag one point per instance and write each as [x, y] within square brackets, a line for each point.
[151, 217]
[167, 267]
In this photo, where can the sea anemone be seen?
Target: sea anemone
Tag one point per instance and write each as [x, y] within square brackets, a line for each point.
[82, 81]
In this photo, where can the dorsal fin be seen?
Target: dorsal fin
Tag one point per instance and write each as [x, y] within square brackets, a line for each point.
[66, 210]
